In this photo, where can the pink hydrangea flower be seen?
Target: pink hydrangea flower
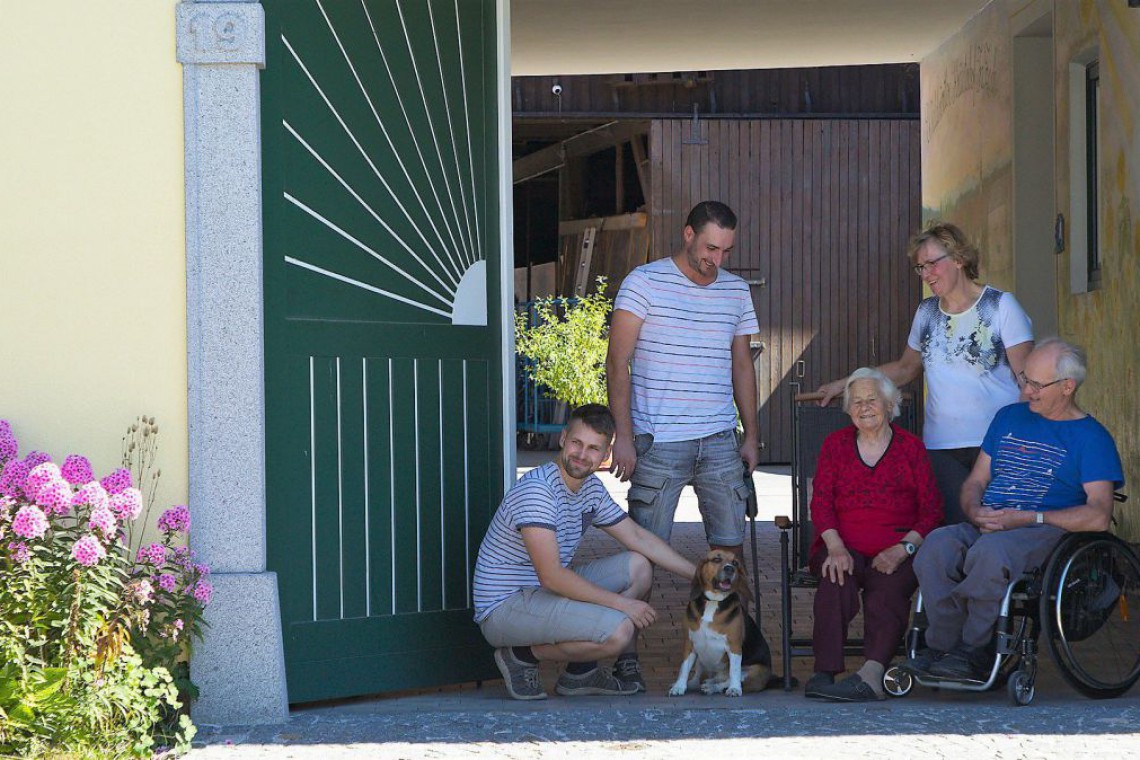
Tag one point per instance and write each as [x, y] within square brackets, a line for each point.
[39, 476]
[30, 522]
[12, 478]
[9, 448]
[88, 551]
[118, 481]
[93, 494]
[19, 552]
[127, 503]
[103, 519]
[203, 591]
[55, 496]
[154, 554]
[174, 520]
[77, 470]
[167, 582]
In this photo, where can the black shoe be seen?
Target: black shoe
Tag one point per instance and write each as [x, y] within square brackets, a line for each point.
[628, 671]
[965, 664]
[923, 659]
[817, 682]
[851, 689]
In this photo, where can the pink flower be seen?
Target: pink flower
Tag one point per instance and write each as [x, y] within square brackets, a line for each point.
[93, 494]
[175, 519]
[19, 552]
[8, 445]
[30, 522]
[13, 477]
[167, 582]
[55, 496]
[77, 470]
[203, 592]
[88, 551]
[118, 481]
[40, 476]
[127, 503]
[154, 554]
[103, 519]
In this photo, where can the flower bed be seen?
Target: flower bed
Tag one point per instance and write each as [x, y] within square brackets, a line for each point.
[93, 641]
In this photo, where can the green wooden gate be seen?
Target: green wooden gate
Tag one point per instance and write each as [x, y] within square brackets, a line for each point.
[383, 339]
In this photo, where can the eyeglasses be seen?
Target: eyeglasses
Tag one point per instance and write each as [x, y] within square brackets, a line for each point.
[1036, 385]
[921, 269]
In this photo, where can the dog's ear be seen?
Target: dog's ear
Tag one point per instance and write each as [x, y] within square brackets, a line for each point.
[743, 583]
[697, 589]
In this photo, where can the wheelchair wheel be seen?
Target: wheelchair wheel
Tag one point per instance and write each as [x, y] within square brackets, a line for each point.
[896, 682]
[1021, 689]
[1089, 587]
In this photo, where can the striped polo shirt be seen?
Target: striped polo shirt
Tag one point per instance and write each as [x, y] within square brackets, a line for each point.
[682, 364]
[541, 499]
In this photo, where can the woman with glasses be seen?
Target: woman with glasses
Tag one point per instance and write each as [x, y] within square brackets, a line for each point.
[971, 341]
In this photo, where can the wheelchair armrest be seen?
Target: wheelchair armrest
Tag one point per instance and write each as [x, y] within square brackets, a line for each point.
[783, 522]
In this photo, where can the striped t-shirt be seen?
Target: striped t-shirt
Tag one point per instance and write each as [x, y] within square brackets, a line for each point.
[682, 364]
[541, 499]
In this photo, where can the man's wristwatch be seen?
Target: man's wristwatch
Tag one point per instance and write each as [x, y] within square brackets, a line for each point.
[1040, 519]
[909, 548]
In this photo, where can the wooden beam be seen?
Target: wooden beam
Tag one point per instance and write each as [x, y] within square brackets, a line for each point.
[591, 141]
[641, 161]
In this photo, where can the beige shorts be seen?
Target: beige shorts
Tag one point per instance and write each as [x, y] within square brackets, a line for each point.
[537, 616]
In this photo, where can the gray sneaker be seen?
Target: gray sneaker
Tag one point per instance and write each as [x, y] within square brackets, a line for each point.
[521, 678]
[597, 681]
[628, 670]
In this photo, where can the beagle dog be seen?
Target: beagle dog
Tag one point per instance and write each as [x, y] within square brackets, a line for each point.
[724, 641]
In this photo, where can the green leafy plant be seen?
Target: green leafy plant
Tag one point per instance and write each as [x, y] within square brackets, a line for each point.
[564, 342]
[88, 630]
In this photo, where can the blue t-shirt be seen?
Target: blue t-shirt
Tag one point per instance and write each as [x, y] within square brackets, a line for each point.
[1043, 464]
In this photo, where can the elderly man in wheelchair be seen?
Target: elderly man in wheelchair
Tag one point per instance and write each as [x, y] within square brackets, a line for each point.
[1047, 470]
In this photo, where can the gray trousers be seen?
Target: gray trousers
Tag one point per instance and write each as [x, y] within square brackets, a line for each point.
[963, 576]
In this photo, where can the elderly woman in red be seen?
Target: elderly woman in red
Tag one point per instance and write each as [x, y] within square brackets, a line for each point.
[873, 502]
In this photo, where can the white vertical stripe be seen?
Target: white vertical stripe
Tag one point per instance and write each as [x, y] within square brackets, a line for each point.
[392, 482]
[367, 501]
[442, 499]
[313, 478]
[466, 494]
[506, 412]
[339, 492]
[416, 449]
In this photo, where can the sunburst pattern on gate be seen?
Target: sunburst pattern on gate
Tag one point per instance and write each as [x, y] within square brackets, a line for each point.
[396, 208]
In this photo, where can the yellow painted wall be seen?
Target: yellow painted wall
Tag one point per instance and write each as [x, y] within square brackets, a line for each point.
[967, 158]
[1107, 321]
[92, 251]
[967, 124]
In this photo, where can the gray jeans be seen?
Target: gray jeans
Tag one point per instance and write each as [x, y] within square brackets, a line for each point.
[963, 575]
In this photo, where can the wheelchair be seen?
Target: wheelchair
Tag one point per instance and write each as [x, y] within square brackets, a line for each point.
[1079, 602]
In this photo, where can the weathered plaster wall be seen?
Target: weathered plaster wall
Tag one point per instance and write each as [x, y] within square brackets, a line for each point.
[967, 154]
[92, 251]
[1107, 321]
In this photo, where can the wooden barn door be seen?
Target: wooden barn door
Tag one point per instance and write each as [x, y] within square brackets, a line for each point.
[383, 345]
[825, 208]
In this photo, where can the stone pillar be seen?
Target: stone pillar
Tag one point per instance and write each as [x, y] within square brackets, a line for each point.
[240, 666]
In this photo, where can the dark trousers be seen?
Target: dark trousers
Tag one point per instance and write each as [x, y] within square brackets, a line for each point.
[886, 611]
[951, 468]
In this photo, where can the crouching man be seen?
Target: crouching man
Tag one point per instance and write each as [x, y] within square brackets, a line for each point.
[532, 606]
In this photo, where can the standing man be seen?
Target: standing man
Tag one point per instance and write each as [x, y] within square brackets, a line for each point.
[1046, 467]
[679, 357]
[532, 606]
